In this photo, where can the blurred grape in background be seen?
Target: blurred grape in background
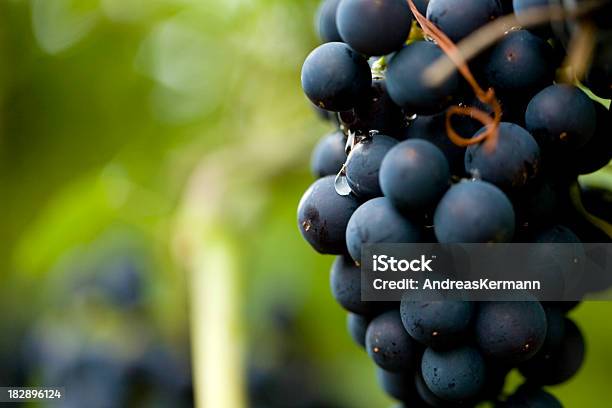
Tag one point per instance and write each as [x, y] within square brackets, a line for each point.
[151, 157]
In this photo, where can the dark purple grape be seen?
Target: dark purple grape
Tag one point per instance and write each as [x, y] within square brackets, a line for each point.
[474, 211]
[459, 18]
[437, 324]
[323, 216]
[374, 27]
[511, 164]
[510, 331]
[551, 367]
[597, 152]
[345, 283]
[363, 165]
[328, 155]
[378, 221]
[407, 85]
[561, 118]
[388, 344]
[357, 325]
[326, 21]
[334, 77]
[520, 64]
[454, 375]
[414, 175]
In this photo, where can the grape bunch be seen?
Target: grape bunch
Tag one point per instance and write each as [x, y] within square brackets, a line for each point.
[416, 160]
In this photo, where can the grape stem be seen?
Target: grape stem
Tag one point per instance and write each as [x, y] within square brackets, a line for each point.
[490, 134]
[579, 52]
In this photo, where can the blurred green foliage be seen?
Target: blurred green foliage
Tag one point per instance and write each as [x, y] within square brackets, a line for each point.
[106, 106]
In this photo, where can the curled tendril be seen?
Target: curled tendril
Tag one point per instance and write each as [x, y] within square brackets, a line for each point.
[490, 134]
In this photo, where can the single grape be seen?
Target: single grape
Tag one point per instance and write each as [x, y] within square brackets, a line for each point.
[357, 326]
[377, 221]
[326, 21]
[551, 367]
[597, 152]
[388, 344]
[561, 117]
[363, 165]
[375, 111]
[454, 375]
[409, 88]
[437, 324]
[458, 18]
[414, 175]
[512, 162]
[374, 27]
[334, 76]
[328, 155]
[323, 216]
[521, 63]
[510, 331]
[345, 283]
[474, 211]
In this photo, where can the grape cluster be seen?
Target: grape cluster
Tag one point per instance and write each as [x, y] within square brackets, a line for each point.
[101, 341]
[391, 173]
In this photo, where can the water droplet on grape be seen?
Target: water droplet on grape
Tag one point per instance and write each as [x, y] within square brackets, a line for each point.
[341, 183]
